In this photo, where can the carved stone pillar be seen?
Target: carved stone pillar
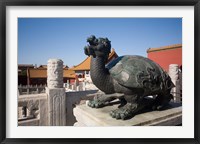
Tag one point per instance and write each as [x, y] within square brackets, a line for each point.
[55, 73]
[173, 73]
[56, 93]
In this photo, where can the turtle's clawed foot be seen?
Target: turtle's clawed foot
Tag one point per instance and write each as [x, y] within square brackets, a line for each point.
[95, 104]
[125, 112]
[100, 100]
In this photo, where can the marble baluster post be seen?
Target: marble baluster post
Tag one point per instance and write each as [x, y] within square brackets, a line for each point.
[173, 73]
[56, 93]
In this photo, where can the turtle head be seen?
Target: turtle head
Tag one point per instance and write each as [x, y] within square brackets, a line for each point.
[98, 47]
[91, 40]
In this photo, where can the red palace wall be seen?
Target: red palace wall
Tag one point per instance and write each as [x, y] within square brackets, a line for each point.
[166, 57]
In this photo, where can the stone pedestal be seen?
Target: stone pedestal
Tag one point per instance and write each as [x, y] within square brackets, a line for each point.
[87, 116]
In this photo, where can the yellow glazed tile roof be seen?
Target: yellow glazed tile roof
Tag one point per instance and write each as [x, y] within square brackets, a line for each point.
[37, 73]
[42, 73]
[85, 65]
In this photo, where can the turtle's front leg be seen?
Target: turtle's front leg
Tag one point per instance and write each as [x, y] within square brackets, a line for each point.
[133, 106]
[100, 100]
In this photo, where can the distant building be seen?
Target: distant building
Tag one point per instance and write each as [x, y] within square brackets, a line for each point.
[22, 68]
[68, 75]
[38, 76]
[166, 55]
[22, 73]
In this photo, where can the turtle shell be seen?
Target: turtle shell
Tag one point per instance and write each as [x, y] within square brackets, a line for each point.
[136, 72]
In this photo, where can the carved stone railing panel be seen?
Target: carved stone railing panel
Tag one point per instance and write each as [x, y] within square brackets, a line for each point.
[33, 106]
[74, 98]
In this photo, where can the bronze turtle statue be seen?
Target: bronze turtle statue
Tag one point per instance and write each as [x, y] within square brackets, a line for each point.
[127, 78]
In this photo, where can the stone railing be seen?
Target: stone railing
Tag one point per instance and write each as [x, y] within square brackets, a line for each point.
[31, 89]
[80, 86]
[32, 110]
[74, 98]
[176, 77]
[75, 87]
[177, 92]
[54, 107]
